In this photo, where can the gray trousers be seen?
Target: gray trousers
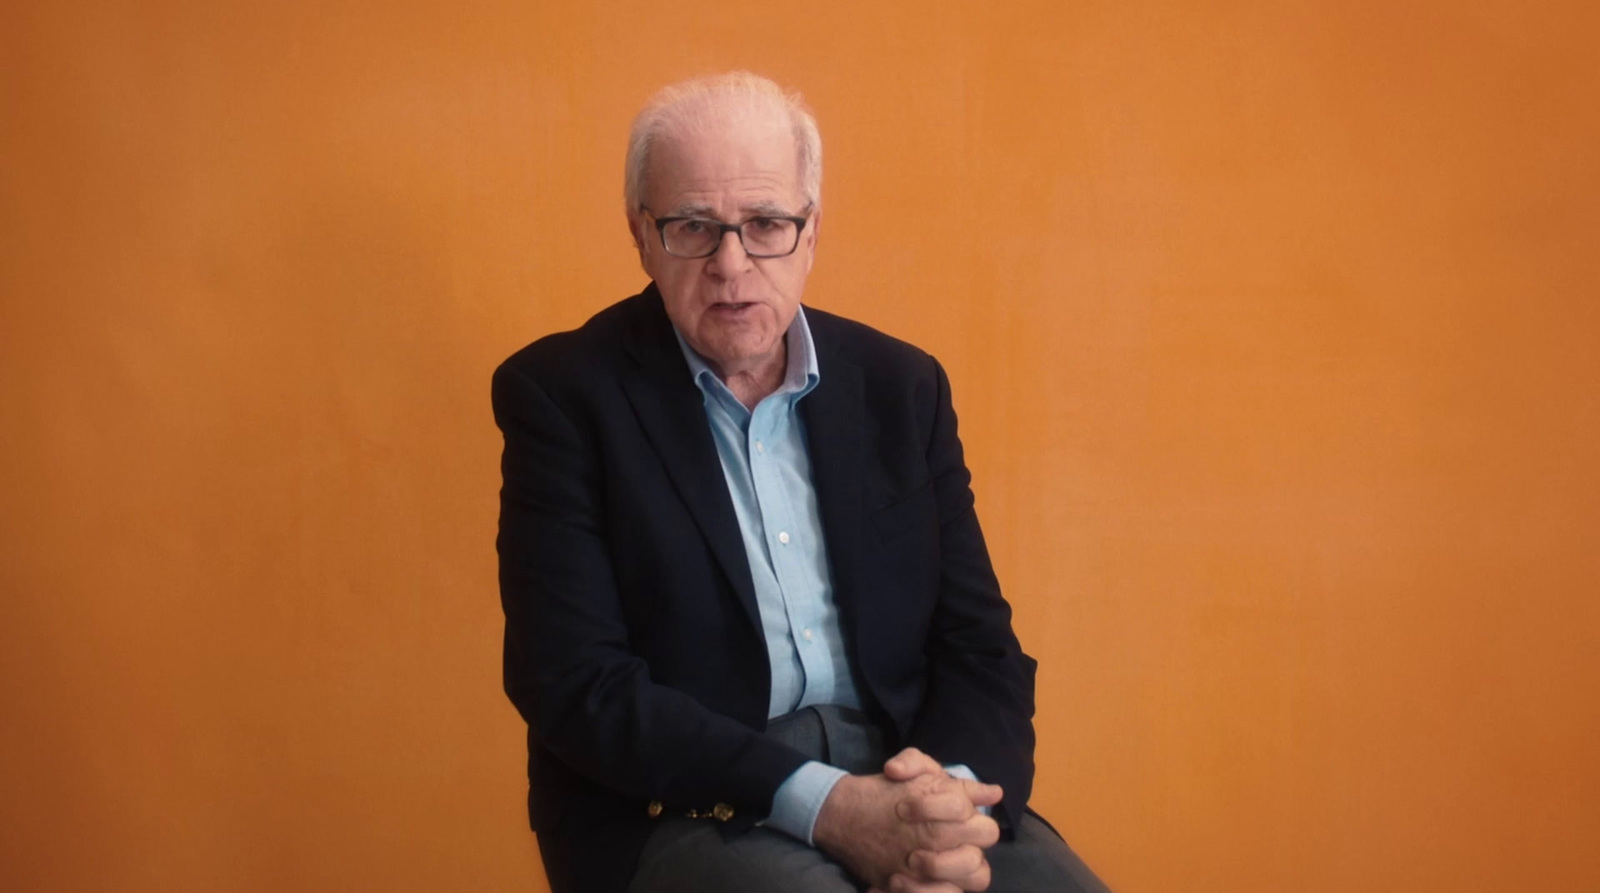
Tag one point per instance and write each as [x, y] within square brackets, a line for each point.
[689, 855]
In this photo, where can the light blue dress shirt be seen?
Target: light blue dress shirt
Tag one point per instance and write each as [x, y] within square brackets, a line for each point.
[768, 469]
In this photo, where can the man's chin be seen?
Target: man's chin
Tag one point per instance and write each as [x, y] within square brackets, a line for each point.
[741, 354]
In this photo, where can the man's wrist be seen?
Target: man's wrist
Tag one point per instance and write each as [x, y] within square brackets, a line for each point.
[798, 801]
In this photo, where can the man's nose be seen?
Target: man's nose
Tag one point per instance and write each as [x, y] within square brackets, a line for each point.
[730, 259]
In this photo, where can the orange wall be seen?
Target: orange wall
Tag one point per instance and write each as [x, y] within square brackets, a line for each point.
[1274, 332]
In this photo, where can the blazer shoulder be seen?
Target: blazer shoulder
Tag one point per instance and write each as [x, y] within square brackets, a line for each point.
[578, 354]
[873, 350]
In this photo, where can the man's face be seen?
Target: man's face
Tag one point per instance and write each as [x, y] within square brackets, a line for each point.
[732, 309]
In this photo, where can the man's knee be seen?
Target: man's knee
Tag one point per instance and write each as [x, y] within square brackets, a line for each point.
[1038, 860]
[687, 856]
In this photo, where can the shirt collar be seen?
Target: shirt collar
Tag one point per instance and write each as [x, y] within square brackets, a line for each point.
[800, 376]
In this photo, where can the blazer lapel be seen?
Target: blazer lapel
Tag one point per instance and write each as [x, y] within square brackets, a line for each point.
[671, 410]
[835, 417]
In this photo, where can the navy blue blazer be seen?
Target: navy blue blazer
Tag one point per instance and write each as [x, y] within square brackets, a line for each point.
[633, 645]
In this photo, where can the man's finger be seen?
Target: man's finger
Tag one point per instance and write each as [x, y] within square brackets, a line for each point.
[979, 831]
[982, 794]
[910, 763]
[960, 866]
[946, 800]
[942, 804]
[903, 884]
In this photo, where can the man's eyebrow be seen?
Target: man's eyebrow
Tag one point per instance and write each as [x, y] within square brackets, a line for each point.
[768, 209]
[701, 210]
[756, 209]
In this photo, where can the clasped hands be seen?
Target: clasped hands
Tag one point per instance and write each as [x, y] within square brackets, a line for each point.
[912, 829]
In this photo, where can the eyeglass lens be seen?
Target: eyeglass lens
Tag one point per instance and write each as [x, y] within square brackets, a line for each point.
[762, 236]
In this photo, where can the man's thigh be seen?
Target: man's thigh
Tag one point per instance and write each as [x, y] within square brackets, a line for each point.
[1038, 860]
[690, 856]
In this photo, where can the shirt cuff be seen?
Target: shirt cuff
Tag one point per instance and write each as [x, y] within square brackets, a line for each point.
[961, 770]
[799, 799]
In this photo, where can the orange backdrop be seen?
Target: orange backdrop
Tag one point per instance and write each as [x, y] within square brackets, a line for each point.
[1274, 334]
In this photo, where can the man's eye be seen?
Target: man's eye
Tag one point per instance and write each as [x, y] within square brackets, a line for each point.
[693, 227]
[764, 224]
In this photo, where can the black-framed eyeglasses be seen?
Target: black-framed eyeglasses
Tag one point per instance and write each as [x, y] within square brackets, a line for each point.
[762, 236]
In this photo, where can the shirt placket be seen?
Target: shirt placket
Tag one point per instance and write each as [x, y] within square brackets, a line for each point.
[780, 523]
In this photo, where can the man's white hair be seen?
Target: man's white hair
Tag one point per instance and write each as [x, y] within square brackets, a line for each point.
[737, 96]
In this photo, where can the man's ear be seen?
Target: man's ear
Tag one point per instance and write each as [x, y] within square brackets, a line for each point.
[636, 231]
[813, 230]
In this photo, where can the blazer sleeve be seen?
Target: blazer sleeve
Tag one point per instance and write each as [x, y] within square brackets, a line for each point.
[570, 670]
[979, 704]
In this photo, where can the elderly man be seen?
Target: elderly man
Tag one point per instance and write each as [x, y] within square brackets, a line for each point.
[750, 618]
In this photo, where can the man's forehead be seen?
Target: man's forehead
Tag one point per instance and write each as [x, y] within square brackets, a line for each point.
[756, 167]
[716, 141]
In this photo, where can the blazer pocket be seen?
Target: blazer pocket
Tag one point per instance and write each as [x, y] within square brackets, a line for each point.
[905, 513]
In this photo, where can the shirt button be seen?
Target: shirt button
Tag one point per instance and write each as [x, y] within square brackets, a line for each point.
[806, 634]
[783, 538]
[760, 448]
